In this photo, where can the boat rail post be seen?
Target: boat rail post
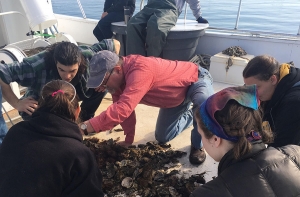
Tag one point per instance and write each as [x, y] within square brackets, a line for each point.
[185, 12]
[238, 15]
[81, 9]
[142, 5]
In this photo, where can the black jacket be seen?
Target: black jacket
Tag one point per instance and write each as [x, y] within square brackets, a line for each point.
[283, 110]
[118, 5]
[45, 157]
[261, 173]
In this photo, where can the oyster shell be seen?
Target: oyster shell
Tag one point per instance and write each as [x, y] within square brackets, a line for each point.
[147, 170]
[127, 182]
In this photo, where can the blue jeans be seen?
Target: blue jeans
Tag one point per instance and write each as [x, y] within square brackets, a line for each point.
[3, 127]
[103, 30]
[172, 121]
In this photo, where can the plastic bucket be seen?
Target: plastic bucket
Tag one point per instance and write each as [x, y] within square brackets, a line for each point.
[39, 14]
[181, 45]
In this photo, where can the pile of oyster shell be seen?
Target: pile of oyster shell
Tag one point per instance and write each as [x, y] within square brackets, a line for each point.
[149, 169]
[236, 51]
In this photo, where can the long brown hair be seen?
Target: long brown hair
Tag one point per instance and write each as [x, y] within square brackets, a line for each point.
[237, 120]
[59, 97]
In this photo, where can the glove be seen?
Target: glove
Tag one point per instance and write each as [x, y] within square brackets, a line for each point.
[202, 20]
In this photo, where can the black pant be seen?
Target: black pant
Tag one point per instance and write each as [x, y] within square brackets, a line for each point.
[90, 105]
[102, 30]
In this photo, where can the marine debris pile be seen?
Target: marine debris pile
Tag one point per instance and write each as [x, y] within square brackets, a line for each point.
[149, 169]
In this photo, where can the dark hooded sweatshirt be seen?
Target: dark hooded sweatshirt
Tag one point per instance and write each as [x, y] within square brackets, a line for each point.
[45, 157]
[283, 110]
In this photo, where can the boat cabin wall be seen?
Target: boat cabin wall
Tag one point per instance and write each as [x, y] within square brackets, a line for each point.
[80, 29]
[284, 50]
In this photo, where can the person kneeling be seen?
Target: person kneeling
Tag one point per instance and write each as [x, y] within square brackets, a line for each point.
[232, 134]
[45, 156]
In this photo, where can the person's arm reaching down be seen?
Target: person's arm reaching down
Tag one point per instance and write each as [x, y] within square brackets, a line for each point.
[27, 105]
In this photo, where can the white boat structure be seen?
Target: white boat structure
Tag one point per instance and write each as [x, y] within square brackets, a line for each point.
[18, 17]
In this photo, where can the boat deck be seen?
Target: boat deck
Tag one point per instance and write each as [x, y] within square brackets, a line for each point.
[146, 119]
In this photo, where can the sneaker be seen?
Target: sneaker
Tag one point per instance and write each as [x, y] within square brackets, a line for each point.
[197, 156]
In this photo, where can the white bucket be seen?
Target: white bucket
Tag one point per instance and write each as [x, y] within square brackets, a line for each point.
[39, 14]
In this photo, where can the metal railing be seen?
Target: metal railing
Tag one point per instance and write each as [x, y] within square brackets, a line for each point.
[215, 28]
[81, 9]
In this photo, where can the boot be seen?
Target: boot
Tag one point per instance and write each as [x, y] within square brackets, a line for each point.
[197, 156]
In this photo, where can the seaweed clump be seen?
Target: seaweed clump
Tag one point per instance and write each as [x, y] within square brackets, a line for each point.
[146, 170]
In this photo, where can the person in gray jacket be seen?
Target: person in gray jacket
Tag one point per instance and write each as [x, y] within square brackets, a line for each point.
[232, 134]
[147, 30]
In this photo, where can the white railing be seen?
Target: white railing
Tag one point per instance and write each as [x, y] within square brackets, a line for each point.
[215, 28]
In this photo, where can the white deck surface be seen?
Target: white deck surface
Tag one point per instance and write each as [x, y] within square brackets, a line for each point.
[146, 120]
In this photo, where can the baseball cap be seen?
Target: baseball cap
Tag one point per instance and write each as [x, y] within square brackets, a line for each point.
[101, 63]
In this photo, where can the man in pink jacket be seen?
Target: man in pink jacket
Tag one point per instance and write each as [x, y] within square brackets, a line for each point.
[170, 85]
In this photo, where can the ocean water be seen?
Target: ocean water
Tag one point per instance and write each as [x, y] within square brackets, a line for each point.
[278, 16]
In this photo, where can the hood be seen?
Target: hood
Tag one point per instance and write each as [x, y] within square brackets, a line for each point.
[228, 159]
[284, 85]
[51, 125]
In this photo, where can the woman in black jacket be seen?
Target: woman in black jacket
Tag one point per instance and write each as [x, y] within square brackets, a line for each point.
[279, 90]
[232, 134]
[113, 12]
[45, 156]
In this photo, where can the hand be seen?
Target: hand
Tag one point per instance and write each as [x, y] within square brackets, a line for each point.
[124, 144]
[202, 20]
[117, 46]
[89, 129]
[104, 15]
[100, 89]
[27, 105]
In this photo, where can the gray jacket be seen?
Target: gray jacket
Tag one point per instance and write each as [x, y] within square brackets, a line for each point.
[194, 5]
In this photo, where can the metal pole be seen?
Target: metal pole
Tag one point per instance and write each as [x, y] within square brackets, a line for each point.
[81, 9]
[11, 122]
[185, 12]
[142, 5]
[238, 15]
[298, 31]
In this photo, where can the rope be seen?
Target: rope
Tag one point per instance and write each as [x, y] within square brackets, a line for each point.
[203, 60]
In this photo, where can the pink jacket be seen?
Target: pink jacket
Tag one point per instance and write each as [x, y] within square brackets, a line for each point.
[148, 80]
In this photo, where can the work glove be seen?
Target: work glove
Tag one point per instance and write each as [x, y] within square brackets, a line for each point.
[202, 20]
